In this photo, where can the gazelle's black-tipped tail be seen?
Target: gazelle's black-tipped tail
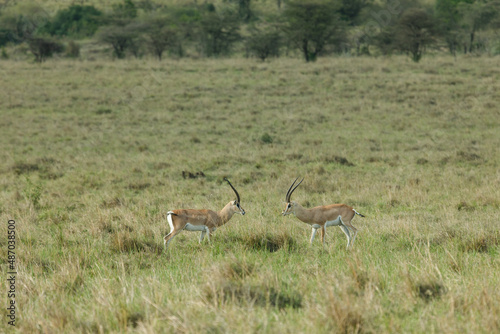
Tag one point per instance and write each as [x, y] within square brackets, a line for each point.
[359, 214]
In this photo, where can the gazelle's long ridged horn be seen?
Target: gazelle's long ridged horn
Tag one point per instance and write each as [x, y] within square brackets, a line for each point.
[290, 192]
[237, 195]
[287, 198]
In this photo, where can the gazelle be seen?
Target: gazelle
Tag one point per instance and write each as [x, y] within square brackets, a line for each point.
[205, 221]
[321, 217]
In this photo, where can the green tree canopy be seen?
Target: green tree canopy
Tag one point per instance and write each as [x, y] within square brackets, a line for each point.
[76, 20]
[312, 25]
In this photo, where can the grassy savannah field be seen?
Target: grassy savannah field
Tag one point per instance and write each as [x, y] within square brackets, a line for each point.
[92, 155]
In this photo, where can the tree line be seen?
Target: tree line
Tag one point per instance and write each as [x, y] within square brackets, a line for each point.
[312, 28]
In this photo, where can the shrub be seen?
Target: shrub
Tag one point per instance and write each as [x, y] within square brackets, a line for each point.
[244, 11]
[266, 138]
[4, 54]
[33, 192]
[414, 31]
[73, 50]
[21, 22]
[161, 34]
[43, 48]
[312, 26]
[264, 43]
[76, 20]
[5, 36]
[119, 37]
[126, 10]
[219, 31]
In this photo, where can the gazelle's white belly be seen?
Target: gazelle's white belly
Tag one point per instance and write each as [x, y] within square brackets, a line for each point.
[335, 222]
[191, 227]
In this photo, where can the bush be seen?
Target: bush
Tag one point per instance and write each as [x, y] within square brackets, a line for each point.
[43, 48]
[161, 34]
[4, 54]
[244, 11]
[120, 38]
[185, 21]
[350, 10]
[266, 138]
[21, 22]
[73, 50]
[219, 31]
[414, 31]
[125, 10]
[312, 26]
[5, 37]
[264, 43]
[77, 21]
[33, 192]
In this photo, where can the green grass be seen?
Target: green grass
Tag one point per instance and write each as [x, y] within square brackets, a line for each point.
[92, 158]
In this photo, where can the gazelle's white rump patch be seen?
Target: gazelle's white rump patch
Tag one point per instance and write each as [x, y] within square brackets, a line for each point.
[170, 222]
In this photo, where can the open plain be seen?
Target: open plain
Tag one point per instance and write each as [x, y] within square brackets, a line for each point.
[93, 154]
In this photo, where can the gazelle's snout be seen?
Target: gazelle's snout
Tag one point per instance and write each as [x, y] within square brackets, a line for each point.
[241, 211]
[288, 209]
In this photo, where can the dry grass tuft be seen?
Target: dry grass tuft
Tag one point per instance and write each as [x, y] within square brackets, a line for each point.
[24, 168]
[73, 285]
[468, 156]
[338, 160]
[426, 288]
[230, 282]
[123, 242]
[113, 203]
[464, 206]
[106, 226]
[481, 243]
[359, 275]
[128, 318]
[430, 290]
[269, 242]
[346, 316]
[245, 294]
[192, 175]
[234, 270]
[134, 318]
[138, 186]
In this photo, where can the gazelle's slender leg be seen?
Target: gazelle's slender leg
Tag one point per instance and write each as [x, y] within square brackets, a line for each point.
[353, 230]
[165, 239]
[314, 230]
[348, 235]
[207, 231]
[168, 238]
[323, 233]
